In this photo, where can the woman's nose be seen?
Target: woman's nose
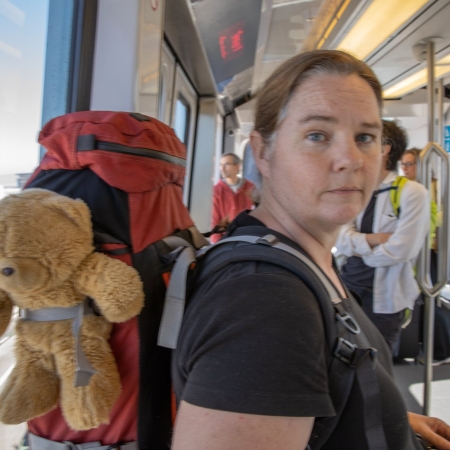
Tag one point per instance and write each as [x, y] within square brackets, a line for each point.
[347, 155]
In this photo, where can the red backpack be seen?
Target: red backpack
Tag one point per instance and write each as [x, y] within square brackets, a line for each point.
[129, 169]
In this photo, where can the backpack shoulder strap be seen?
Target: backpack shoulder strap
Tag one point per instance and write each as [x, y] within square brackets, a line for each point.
[398, 185]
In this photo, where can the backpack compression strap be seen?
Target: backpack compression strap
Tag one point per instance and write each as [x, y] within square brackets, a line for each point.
[84, 369]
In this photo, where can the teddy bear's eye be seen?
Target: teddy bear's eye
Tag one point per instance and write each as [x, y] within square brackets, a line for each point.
[8, 271]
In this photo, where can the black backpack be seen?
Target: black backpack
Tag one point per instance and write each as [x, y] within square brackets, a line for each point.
[351, 356]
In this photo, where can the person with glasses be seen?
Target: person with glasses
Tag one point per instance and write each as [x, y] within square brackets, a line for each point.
[409, 163]
[383, 243]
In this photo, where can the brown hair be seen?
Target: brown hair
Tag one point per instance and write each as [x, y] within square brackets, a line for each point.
[412, 151]
[395, 136]
[236, 159]
[274, 96]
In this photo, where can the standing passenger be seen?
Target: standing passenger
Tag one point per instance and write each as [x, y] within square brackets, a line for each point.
[383, 243]
[250, 370]
[232, 194]
[409, 163]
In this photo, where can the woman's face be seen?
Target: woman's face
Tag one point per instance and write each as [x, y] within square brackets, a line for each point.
[326, 158]
[408, 164]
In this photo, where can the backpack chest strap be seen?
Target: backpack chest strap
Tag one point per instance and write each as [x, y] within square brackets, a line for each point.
[84, 369]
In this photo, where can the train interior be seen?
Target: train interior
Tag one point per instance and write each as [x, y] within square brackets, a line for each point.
[197, 65]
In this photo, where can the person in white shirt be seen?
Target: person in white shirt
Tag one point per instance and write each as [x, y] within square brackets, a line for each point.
[382, 244]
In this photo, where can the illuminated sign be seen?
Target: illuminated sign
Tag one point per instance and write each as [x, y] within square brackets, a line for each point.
[229, 32]
[231, 41]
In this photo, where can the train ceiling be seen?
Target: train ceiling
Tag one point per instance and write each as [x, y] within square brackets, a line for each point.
[243, 41]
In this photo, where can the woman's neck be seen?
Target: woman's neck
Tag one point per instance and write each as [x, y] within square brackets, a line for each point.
[317, 245]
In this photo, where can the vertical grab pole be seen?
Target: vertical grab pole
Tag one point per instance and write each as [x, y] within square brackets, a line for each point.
[440, 122]
[430, 91]
[429, 299]
[429, 338]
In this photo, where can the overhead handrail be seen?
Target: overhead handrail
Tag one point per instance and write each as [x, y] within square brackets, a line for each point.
[430, 289]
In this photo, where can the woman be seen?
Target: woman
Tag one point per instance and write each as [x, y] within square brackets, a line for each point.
[250, 369]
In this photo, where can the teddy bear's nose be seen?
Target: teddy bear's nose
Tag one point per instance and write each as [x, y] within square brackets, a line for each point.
[8, 271]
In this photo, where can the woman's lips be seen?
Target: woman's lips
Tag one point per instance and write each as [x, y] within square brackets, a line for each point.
[345, 190]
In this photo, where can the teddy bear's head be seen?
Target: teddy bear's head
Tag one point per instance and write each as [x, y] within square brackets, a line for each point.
[43, 239]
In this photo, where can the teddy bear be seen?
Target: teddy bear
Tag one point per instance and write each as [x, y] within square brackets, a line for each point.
[68, 297]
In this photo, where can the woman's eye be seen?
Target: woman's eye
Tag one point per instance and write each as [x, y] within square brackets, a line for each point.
[365, 138]
[318, 137]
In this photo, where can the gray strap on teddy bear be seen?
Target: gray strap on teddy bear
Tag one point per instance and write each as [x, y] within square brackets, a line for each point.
[39, 443]
[84, 369]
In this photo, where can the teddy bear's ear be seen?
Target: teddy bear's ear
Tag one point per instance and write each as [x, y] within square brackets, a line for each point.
[76, 210]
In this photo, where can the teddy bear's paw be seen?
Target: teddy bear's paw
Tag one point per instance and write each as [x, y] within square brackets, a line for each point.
[116, 288]
[26, 397]
[89, 407]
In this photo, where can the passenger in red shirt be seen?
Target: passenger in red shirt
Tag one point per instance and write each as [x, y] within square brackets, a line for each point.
[232, 194]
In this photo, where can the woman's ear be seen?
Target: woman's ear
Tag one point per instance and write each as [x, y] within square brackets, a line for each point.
[260, 153]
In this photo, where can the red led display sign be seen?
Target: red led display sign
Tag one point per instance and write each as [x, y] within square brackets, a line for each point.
[231, 41]
[229, 32]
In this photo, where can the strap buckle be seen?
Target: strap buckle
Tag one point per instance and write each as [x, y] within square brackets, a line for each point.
[268, 239]
[344, 350]
[345, 318]
[352, 355]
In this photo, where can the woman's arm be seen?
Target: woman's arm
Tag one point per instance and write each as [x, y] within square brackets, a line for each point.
[199, 428]
[375, 239]
[410, 230]
[353, 243]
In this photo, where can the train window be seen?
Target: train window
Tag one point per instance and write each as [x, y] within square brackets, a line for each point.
[167, 85]
[23, 35]
[182, 118]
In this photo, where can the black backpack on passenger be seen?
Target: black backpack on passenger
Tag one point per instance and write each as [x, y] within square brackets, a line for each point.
[351, 357]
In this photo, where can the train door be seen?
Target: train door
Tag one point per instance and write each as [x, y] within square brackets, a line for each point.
[178, 107]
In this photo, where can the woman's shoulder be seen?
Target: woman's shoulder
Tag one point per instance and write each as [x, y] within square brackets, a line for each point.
[414, 188]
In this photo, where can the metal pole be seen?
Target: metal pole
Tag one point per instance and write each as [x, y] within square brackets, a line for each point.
[440, 126]
[429, 300]
[431, 94]
[429, 338]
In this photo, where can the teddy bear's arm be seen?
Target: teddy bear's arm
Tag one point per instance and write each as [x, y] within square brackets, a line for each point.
[115, 287]
[6, 306]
